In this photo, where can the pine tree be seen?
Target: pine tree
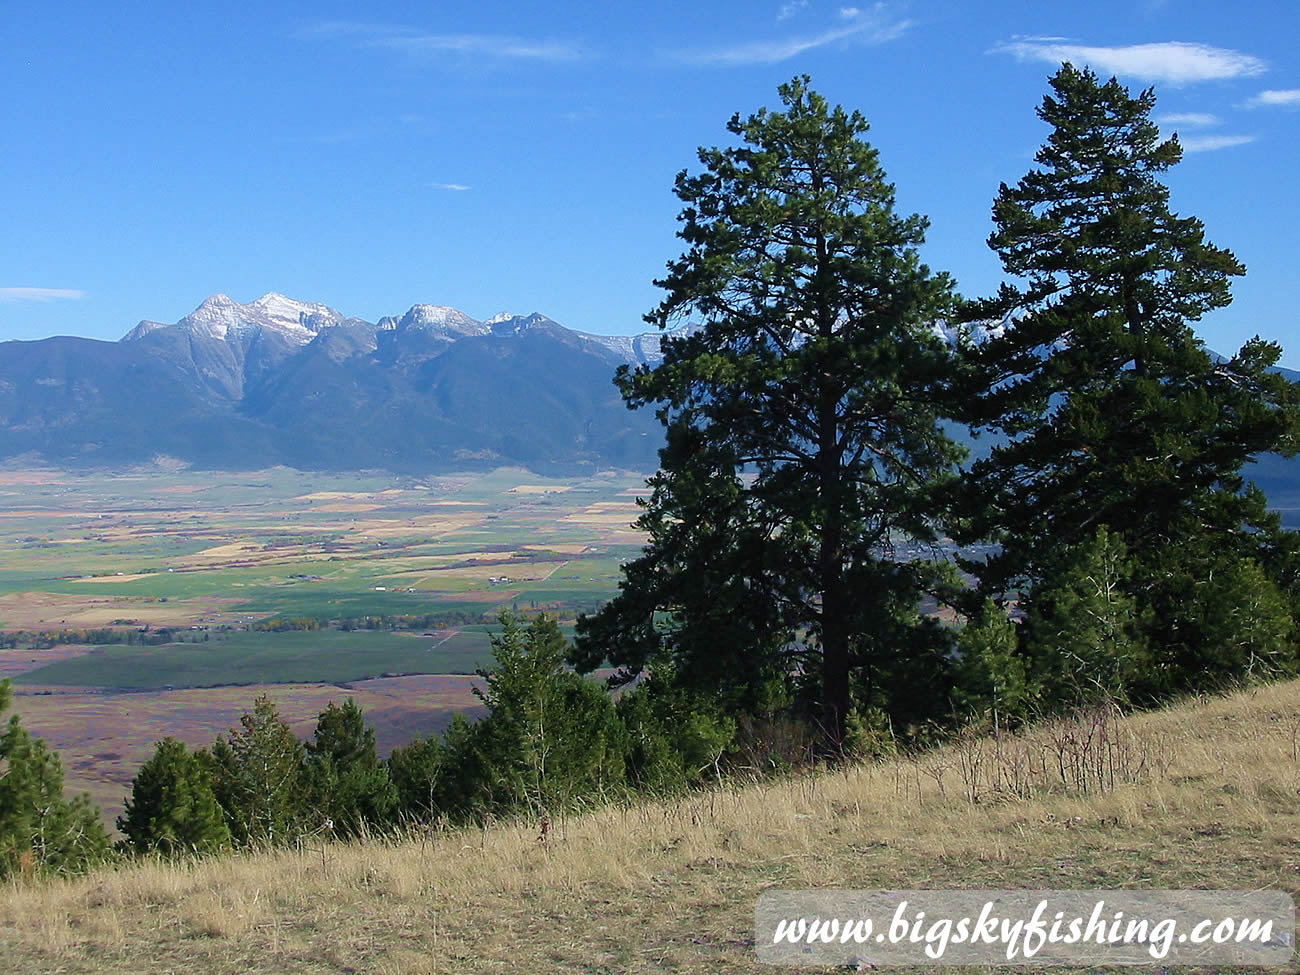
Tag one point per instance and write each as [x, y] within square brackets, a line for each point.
[258, 779]
[1085, 631]
[172, 808]
[712, 600]
[675, 739]
[419, 773]
[40, 829]
[348, 785]
[993, 675]
[1117, 414]
[1243, 627]
[803, 422]
[551, 739]
[466, 787]
[1224, 619]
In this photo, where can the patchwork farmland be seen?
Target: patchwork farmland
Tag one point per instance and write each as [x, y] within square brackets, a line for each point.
[139, 605]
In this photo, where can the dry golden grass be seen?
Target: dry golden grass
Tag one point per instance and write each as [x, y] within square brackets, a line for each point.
[1205, 795]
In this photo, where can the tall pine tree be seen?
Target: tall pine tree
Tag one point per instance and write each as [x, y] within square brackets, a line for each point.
[1116, 413]
[804, 440]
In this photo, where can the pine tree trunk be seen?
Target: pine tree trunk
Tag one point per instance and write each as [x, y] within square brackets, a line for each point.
[835, 657]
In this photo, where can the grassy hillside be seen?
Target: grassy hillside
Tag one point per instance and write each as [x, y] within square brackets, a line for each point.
[1202, 795]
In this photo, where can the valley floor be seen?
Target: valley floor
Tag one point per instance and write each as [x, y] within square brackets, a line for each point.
[1202, 795]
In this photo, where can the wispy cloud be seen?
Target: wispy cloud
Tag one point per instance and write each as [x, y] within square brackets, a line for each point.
[874, 26]
[1286, 97]
[1196, 120]
[788, 10]
[411, 40]
[455, 187]
[40, 294]
[1208, 143]
[1175, 62]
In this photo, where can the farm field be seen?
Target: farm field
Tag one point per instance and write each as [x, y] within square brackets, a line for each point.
[145, 604]
[254, 657]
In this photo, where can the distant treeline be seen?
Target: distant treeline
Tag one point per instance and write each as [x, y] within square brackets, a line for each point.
[399, 621]
[410, 621]
[133, 635]
[405, 621]
[99, 636]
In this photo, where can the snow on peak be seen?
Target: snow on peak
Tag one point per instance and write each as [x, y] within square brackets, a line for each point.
[285, 311]
[645, 348]
[441, 318]
[518, 324]
[221, 317]
[299, 322]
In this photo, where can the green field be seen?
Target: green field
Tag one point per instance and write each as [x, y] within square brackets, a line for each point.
[251, 657]
[328, 656]
[213, 556]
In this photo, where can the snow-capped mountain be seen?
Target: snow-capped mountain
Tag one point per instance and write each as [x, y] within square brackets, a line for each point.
[436, 319]
[224, 344]
[278, 380]
[221, 317]
[298, 323]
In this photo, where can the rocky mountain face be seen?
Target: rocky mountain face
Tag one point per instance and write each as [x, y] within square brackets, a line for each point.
[276, 380]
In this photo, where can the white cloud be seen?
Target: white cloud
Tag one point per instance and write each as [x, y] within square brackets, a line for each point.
[411, 40]
[1175, 62]
[788, 10]
[1191, 119]
[862, 27]
[1208, 143]
[1284, 97]
[39, 294]
[456, 187]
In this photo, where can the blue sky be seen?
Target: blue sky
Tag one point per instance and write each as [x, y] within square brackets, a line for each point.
[514, 156]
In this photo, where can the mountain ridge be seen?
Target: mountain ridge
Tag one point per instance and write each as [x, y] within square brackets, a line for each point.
[276, 380]
[236, 384]
[220, 317]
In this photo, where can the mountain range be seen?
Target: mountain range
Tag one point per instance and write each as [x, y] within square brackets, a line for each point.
[279, 381]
